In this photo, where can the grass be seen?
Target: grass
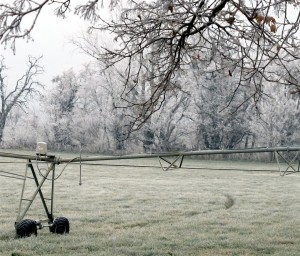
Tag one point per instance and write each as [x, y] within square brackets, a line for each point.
[145, 211]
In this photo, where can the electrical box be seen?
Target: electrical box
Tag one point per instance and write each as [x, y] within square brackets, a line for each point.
[41, 148]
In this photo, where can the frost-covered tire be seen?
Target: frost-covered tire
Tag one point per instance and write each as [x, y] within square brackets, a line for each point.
[26, 228]
[60, 225]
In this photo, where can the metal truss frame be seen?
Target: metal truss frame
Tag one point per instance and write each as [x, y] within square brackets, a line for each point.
[171, 163]
[25, 203]
[290, 169]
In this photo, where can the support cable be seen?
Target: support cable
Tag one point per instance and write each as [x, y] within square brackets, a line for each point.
[11, 175]
[45, 169]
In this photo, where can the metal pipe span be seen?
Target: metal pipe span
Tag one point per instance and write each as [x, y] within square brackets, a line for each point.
[190, 153]
[139, 156]
[18, 156]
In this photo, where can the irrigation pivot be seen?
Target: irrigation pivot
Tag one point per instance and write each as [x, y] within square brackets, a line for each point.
[180, 157]
[60, 225]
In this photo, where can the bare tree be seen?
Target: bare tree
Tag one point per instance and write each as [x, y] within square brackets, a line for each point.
[161, 38]
[13, 14]
[20, 94]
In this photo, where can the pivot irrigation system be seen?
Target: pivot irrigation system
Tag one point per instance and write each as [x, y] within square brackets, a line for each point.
[60, 225]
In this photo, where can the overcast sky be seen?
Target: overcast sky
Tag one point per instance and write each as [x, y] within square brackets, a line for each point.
[52, 37]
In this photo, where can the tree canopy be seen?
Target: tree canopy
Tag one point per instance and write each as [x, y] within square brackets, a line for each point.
[157, 41]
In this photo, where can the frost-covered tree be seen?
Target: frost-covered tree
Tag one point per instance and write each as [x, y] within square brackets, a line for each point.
[60, 102]
[217, 119]
[24, 129]
[279, 119]
[244, 38]
[171, 127]
[82, 112]
[96, 117]
[19, 94]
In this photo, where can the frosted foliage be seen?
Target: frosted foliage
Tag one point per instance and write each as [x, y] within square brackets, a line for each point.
[215, 125]
[94, 120]
[159, 39]
[82, 112]
[280, 119]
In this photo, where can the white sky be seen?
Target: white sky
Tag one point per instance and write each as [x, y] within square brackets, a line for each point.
[52, 37]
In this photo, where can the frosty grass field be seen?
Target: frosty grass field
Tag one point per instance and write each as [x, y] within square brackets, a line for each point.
[146, 211]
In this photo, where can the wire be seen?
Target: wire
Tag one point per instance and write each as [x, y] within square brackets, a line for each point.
[65, 168]
[38, 158]
[184, 167]
[11, 174]
[8, 162]
[45, 169]
[11, 177]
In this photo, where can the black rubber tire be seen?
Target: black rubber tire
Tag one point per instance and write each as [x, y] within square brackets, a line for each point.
[26, 228]
[60, 225]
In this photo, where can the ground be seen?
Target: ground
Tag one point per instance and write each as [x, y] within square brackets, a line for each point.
[127, 210]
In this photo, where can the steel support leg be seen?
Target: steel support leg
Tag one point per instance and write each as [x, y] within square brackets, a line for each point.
[39, 185]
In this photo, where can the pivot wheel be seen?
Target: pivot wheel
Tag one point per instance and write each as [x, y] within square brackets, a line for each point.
[26, 228]
[60, 225]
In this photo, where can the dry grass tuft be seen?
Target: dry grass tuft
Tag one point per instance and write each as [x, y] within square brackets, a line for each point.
[229, 201]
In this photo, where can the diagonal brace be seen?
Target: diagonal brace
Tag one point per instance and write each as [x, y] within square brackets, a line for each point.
[49, 214]
[171, 164]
